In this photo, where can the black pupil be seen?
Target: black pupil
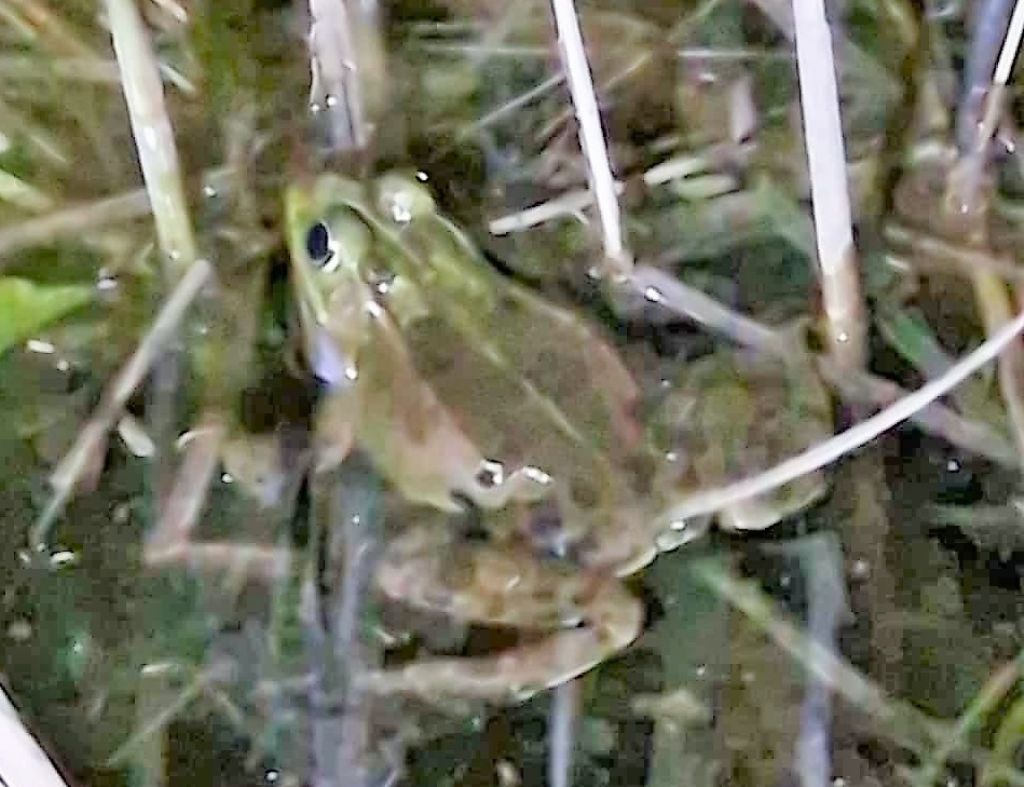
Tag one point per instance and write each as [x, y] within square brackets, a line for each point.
[318, 243]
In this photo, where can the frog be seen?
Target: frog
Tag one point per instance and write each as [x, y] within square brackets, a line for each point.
[472, 395]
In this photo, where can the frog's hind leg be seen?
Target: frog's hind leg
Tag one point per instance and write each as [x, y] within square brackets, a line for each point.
[591, 617]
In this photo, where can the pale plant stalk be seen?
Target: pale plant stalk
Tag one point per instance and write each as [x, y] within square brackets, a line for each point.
[818, 456]
[826, 156]
[161, 171]
[591, 135]
[23, 763]
[154, 136]
[563, 721]
[565, 709]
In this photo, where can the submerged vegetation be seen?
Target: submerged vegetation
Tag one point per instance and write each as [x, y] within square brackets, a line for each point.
[282, 451]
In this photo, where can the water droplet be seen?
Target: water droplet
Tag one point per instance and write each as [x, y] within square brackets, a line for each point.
[747, 677]
[670, 539]
[839, 781]
[63, 365]
[401, 210]
[671, 456]
[315, 108]
[106, 284]
[351, 373]
[953, 466]
[39, 346]
[331, 101]
[272, 775]
[843, 337]
[227, 478]
[653, 294]
[785, 580]
[861, 569]
[63, 557]
[19, 630]
[421, 176]
[536, 475]
[209, 191]
[702, 670]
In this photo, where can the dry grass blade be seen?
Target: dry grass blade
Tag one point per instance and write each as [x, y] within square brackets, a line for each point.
[712, 500]
[823, 133]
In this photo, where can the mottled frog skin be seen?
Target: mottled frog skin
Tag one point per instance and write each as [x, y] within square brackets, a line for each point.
[469, 392]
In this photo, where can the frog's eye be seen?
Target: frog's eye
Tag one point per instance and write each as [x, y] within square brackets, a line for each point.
[318, 244]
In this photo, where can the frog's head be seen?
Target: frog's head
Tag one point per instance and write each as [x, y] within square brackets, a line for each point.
[386, 234]
[328, 243]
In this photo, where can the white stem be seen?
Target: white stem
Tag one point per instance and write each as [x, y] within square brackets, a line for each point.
[1011, 44]
[591, 131]
[823, 135]
[712, 500]
[23, 763]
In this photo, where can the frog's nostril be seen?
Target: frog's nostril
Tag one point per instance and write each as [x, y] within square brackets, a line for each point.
[318, 244]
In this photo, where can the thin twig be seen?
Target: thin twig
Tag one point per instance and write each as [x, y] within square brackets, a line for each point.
[65, 476]
[591, 134]
[90, 216]
[826, 155]
[711, 500]
[963, 259]
[513, 105]
[573, 202]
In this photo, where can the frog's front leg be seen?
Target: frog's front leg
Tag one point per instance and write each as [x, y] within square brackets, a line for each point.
[503, 585]
[254, 464]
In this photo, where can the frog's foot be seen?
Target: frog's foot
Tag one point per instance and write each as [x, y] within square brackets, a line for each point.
[504, 586]
[253, 464]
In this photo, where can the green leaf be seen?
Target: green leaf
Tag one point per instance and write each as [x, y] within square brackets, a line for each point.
[25, 307]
